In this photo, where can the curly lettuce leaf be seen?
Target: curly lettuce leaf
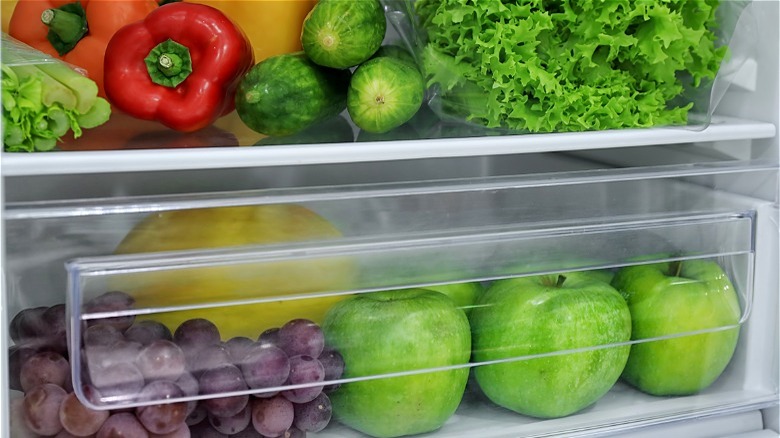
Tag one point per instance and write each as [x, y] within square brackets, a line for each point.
[568, 65]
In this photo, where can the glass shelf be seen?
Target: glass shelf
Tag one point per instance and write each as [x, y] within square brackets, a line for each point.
[177, 157]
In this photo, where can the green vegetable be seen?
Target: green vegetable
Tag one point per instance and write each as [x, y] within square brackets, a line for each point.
[84, 88]
[568, 65]
[343, 33]
[285, 94]
[52, 91]
[384, 93]
[43, 101]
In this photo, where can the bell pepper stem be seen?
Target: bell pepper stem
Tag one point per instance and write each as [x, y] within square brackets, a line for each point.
[169, 63]
[67, 25]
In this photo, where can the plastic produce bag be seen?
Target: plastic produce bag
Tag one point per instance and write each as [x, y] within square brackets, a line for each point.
[533, 66]
[44, 99]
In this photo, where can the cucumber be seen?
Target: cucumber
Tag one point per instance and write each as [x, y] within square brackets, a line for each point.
[285, 94]
[343, 33]
[384, 93]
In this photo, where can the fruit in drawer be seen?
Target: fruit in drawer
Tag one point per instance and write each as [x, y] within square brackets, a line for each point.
[464, 294]
[532, 316]
[398, 331]
[225, 228]
[671, 299]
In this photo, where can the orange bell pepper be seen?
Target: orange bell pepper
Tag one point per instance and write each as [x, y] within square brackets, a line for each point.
[100, 20]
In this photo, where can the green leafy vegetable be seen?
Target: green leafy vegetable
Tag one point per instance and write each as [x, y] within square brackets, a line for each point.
[44, 101]
[568, 65]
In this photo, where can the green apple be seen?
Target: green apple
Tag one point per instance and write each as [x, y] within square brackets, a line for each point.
[397, 331]
[532, 316]
[667, 299]
[464, 294]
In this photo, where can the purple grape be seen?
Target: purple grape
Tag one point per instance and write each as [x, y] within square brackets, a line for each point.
[102, 334]
[269, 337]
[78, 419]
[226, 378]
[333, 363]
[226, 405]
[13, 327]
[197, 415]
[293, 432]
[234, 424]
[161, 360]
[189, 386]
[182, 432]
[164, 417]
[117, 383]
[304, 369]
[265, 366]
[28, 325]
[124, 425]
[194, 334]
[41, 408]
[44, 367]
[114, 301]
[301, 337]
[237, 347]
[56, 323]
[313, 416]
[146, 331]
[205, 430]
[107, 355]
[18, 355]
[209, 357]
[272, 416]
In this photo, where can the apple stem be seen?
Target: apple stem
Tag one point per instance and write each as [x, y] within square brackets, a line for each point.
[561, 279]
[675, 268]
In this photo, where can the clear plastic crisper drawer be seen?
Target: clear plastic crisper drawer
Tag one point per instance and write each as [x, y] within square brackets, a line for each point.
[505, 297]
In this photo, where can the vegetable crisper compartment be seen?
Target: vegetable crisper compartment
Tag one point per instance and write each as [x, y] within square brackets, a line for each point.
[541, 343]
[357, 278]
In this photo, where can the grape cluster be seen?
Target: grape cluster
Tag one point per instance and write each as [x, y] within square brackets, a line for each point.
[143, 362]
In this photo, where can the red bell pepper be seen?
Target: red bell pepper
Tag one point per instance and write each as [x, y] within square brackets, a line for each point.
[180, 66]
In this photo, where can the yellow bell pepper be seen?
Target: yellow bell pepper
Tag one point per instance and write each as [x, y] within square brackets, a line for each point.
[6, 10]
[273, 26]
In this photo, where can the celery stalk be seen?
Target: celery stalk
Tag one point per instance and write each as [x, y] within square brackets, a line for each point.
[58, 122]
[44, 143]
[96, 115]
[53, 90]
[12, 134]
[85, 89]
[43, 101]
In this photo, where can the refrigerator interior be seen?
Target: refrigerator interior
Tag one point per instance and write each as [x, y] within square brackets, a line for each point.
[435, 211]
[418, 234]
